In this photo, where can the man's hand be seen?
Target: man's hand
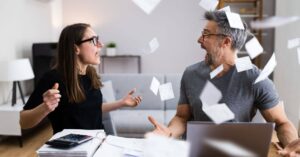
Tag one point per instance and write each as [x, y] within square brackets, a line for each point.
[159, 128]
[131, 101]
[291, 150]
[51, 98]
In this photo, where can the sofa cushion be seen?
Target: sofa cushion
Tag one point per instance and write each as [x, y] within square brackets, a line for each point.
[135, 121]
[122, 83]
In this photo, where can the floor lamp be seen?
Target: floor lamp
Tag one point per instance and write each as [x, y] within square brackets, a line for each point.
[16, 71]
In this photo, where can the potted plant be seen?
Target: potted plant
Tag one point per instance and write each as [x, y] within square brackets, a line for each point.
[111, 49]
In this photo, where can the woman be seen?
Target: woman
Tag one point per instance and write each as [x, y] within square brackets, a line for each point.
[70, 93]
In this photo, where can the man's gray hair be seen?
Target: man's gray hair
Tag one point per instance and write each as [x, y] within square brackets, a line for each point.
[238, 36]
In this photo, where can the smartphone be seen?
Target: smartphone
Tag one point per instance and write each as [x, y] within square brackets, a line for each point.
[69, 140]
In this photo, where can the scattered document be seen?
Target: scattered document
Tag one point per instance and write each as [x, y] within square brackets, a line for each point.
[226, 9]
[243, 64]
[86, 149]
[219, 113]
[160, 146]
[230, 148]
[268, 69]
[235, 20]
[253, 48]
[292, 43]
[209, 5]
[298, 52]
[216, 71]
[166, 91]
[128, 143]
[273, 22]
[114, 146]
[147, 5]
[108, 91]
[154, 85]
[154, 45]
[210, 94]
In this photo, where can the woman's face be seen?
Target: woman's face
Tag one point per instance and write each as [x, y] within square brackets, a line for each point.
[89, 50]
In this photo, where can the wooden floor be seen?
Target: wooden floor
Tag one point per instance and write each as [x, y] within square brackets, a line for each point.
[31, 142]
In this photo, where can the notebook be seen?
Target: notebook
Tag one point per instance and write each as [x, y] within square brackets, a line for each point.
[229, 139]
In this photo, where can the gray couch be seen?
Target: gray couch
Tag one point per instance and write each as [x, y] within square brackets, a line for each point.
[133, 122]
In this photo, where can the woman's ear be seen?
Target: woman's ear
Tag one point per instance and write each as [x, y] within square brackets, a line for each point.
[77, 50]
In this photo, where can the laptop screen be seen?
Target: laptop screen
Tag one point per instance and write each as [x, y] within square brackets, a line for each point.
[229, 139]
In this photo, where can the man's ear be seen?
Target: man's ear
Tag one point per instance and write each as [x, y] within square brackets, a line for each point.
[227, 42]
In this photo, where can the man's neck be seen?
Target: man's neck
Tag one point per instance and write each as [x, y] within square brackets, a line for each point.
[228, 62]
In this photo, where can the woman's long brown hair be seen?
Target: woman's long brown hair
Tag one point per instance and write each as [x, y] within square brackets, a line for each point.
[66, 62]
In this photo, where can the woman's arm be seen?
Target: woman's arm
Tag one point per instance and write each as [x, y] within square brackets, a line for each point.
[30, 118]
[129, 100]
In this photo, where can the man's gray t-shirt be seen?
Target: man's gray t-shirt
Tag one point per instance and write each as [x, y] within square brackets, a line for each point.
[240, 94]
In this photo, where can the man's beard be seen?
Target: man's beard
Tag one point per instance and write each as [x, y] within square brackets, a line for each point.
[213, 57]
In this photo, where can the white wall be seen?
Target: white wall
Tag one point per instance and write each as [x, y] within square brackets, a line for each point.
[23, 22]
[176, 24]
[287, 72]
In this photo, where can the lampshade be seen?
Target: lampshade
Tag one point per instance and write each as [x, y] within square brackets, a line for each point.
[16, 70]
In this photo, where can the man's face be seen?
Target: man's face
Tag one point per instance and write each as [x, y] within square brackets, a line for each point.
[210, 40]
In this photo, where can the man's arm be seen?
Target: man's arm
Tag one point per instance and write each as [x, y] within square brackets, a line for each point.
[286, 131]
[177, 125]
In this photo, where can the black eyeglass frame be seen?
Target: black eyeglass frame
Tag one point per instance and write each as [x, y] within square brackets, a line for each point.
[94, 39]
[203, 35]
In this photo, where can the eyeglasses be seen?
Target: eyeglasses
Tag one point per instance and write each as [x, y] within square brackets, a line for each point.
[94, 39]
[210, 34]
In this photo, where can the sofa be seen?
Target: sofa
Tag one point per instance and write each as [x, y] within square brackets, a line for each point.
[133, 122]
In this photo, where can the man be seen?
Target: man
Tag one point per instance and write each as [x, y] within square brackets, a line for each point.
[239, 92]
[291, 150]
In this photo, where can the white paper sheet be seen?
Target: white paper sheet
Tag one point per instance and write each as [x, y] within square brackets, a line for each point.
[159, 146]
[219, 113]
[243, 64]
[154, 45]
[210, 94]
[128, 143]
[147, 5]
[215, 72]
[114, 146]
[253, 48]
[209, 5]
[234, 20]
[230, 148]
[108, 91]
[272, 22]
[268, 69]
[154, 85]
[166, 91]
[292, 43]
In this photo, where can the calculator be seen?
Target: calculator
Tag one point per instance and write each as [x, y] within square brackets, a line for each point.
[69, 140]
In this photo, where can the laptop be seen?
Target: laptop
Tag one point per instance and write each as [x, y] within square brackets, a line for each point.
[253, 137]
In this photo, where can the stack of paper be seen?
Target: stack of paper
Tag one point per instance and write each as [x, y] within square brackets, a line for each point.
[86, 149]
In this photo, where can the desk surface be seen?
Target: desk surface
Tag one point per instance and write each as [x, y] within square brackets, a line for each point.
[273, 149]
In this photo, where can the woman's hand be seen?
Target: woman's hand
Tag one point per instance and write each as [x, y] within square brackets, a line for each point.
[51, 98]
[291, 150]
[159, 128]
[131, 101]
